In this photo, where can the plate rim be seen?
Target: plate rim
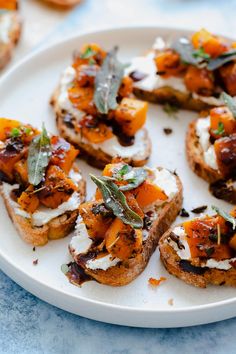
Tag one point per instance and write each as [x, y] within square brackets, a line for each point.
[5, 261]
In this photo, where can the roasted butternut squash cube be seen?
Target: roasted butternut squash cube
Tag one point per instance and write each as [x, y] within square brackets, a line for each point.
[8, 4]
[222, 116]
[131, 114]
[6, 127]
[168, 63]
[28, 200]
[21, 171]
[58, 188]
[126, 87]
[96, 217]
[82, 99]
[200, 81]
[10, 154]
[88, 54]
[85, 75]
[63, 153]
[225, 149]
[97, 134]
[148, 193]
[228, 76]
[212, 45]
[122, 241]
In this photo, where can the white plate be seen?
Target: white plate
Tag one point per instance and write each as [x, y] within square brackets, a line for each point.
[25, 93]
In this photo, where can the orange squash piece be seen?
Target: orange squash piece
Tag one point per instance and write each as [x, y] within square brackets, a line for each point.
[63, 153]
[168, 63]
[225, 149]
[148, 193]
[222, 115]
[96, 223]
[28, 201]
[98, 55]
[21, 171]
[8, 4]
[199, 234]
[97, 134]
[6, 126]
[82, 99]
[126, 87]
[200, 81]
[212, 45]
[133, 203]
[58, 188]
[122, 241]
[131, 114]
[228, 76]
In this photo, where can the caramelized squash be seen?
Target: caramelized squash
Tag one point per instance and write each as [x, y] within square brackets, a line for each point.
[82, 99]
[97, 134]
[85, 75]
[28, 200]
[6, 126]
[96, 218]
[203, 236]
[58, 188]
[126, 87]
[122, 241]
[63, 153]
[225, 149]
[148, 193]
[227, 74]
[200, 81]
[21, 171]
[131, 114]
[8, 4]
[10, 154]
[133, 203]
[168, 63]
[88, 54]
[212, 45]
[222, 116]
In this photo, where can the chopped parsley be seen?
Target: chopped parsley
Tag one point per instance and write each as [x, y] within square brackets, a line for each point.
[200, 53]
[220, 130]
[88, 53]
[15, 133]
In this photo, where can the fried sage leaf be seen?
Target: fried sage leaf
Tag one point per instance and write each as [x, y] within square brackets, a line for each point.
[115, 200]
[224, 58]
[226, 216]
[107, 82]
[186, 51]
[38, 157]
[134, 178]
[230, 103]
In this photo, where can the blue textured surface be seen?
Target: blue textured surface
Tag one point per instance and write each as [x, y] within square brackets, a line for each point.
[27, 324]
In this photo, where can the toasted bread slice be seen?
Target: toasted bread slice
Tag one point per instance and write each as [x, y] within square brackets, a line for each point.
[56, 228]
[12, 36]
[64, 3]
[193, 274]
[126, 271]
[95, 155]
[195, 156]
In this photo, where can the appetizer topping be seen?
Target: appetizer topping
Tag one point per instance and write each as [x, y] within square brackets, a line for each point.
[125, 205]
[98, 97]
[209, 241]
[8, 5]
[41, 165]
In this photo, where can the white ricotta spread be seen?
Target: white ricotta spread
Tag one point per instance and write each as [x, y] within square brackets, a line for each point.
[202, 131]
[64, 102]
[186, 254]
[166, 181]
[6, 21]
[81, 243]
[43, 215]
[152, 81]
[114, 148]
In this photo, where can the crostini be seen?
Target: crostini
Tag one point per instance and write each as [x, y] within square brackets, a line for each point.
[10, 29]
[118, 230]
[64, 3]
[211, 149]
[188, 73]
[96, 111]
[202, 251]
[41, 185]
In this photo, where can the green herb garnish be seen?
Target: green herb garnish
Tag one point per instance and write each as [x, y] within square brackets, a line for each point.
[38, 157]
[200, 53]
[107, 83]
[220, 130]
[222, 59]
[230, 103]
[226, 216]
[27, 130]
[120, 173]
[115, 200]
[171, 110]
[15, 133]
[88, 53]
[209, 251]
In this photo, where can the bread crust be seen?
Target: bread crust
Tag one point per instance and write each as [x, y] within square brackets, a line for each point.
[64, 3]
[56, 228]
[195, 158]
[213, 276]
[174, 97]
[6, 49]
[126, 272]
[95, 157]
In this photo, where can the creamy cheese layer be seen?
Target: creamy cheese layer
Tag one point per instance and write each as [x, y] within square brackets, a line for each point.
[6, 22]
[202, 131]
[43, 215]
[166, 181]
[186, 255]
